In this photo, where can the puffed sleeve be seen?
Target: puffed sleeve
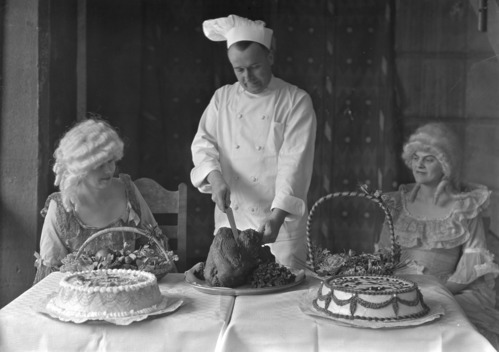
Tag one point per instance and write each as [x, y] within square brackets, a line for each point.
[205, 154]
[476, 261]
[296, 158]
[52, 249]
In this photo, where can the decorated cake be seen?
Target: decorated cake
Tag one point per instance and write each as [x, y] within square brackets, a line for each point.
[111, 293]
[379, 298]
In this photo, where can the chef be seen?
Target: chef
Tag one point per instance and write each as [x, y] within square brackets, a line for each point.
[254, 147]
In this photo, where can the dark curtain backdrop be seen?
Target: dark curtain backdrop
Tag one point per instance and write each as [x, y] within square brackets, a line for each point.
[152, 72]
[339, 51]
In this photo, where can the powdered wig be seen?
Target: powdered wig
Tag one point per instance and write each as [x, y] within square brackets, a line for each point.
[440, 141]
[83, 148]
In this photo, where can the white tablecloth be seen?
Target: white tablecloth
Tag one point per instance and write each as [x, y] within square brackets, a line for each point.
[259, 323]
[196, 326]
[275, 323]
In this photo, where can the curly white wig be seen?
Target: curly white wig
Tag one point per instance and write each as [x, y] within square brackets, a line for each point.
[84, 147]
[440, 141]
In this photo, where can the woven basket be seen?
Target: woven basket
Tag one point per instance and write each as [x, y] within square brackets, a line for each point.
[377, 199]
[160, 273]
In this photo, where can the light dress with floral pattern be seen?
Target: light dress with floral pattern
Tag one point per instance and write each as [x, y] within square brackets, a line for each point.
[453, 249]
[63, 232]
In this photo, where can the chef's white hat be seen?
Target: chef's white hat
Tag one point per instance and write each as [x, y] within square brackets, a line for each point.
[235, 29]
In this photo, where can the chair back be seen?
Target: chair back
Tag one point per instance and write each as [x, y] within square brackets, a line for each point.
[170, 211]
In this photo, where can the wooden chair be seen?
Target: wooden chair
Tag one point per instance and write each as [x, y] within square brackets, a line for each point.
[170, 211]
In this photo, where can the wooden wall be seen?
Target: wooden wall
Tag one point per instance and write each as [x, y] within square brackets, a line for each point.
[449, 71]
[446, 70]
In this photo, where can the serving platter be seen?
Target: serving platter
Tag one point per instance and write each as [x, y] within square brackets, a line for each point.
[244, 290]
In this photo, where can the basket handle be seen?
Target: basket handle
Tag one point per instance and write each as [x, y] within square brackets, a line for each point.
[125, 229]
[376, 198]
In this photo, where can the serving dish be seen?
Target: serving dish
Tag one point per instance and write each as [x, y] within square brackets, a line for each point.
[244, 290]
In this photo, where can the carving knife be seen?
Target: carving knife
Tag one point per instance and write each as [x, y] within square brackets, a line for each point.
[232, 222]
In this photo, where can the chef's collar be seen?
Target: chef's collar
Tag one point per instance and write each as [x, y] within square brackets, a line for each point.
[270, 87]
[235, 29]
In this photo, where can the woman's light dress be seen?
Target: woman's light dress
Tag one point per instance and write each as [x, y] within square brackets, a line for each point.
[453, 249]
[63, 232]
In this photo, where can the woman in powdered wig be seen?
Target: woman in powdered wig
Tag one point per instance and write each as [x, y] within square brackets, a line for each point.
[438, 224]
[90, 198]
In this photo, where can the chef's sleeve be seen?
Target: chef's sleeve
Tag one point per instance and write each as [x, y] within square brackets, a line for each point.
[205, 154]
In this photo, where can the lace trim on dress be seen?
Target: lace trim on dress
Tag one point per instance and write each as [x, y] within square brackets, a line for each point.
[448, 232]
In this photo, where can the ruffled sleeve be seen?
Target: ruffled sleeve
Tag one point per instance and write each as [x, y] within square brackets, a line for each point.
[476, 260]
[42, 270]
[472, 201]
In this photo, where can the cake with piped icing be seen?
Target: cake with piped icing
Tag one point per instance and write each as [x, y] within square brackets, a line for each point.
[377, 298]
[103, 294]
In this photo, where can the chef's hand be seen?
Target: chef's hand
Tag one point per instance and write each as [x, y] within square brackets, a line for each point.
[220, 191]
[272, 225]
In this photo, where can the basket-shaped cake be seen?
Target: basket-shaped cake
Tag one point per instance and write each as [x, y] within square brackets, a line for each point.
[382, 262]
[157, 261]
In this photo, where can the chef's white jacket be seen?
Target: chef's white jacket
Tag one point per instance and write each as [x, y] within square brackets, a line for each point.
[263, 144]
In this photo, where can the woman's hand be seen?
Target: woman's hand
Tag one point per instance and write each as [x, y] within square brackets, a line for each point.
[220, 191]
[270, 228]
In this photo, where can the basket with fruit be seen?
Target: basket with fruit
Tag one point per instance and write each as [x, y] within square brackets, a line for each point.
[151, 257]
[381, 262]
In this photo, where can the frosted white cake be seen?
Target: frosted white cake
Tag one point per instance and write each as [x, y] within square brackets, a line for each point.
[101, 294]
[379, 298]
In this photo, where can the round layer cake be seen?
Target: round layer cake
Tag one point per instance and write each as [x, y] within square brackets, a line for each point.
[101, 294]
[380, 298]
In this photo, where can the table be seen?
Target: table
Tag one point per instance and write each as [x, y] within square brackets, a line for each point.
[195, 326]
[260, 323]
[275, 323]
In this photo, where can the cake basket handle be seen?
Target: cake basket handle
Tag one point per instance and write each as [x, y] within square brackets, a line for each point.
[124, 229]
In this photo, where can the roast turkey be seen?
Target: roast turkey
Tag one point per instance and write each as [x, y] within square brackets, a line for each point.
[231, 260]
